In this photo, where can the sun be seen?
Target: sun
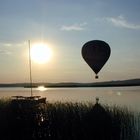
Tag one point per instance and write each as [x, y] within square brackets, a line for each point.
[41, 53]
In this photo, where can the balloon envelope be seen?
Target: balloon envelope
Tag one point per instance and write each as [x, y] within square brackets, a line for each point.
[96, 54]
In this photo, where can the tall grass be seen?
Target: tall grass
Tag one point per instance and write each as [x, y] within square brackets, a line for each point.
[67, 121]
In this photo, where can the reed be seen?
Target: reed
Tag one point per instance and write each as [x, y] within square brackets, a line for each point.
[68, 121]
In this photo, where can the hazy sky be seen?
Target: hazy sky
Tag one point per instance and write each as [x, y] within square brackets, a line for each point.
[66, 25]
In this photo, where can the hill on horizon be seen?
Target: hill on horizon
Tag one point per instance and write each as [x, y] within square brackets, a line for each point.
[129, 82]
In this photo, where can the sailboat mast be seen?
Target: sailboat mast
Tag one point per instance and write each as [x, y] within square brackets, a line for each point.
[30, 67]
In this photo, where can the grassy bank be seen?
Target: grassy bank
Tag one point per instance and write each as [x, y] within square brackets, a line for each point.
[67, 121]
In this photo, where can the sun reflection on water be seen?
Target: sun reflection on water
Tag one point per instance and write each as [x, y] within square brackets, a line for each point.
[41, 88]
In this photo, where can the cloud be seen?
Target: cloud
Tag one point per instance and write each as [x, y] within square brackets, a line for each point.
[7, 44]
[5, 52]
[13, 44]
[74, 27]
[120, 21]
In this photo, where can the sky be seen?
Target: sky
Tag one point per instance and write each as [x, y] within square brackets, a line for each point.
[66, 25]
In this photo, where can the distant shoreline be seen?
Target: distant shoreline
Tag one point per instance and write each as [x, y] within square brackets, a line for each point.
[123, 83]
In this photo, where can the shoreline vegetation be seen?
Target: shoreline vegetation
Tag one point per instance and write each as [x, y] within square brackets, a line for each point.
[131, 82]
[67, 121]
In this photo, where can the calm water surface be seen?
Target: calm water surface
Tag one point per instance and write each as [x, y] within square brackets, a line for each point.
[121, 96]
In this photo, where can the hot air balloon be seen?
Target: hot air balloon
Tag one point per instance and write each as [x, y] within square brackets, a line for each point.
[96, 54]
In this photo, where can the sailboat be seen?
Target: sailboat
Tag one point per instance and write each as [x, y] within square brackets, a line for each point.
[29, 99]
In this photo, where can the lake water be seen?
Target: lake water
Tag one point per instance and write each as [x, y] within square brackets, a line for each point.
[121, 96]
